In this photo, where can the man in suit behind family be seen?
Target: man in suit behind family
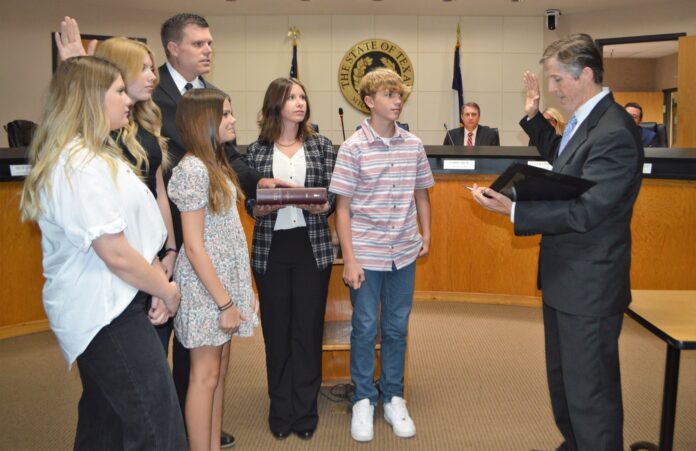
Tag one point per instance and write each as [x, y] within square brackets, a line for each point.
[585, 255]
[472, 134]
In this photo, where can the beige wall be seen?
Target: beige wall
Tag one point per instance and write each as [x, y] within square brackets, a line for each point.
[251, 51]
[629, 74]
[638, 21]
[666, 72]
[25, 56]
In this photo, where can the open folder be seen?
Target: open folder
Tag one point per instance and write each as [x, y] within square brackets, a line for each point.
[521, 182]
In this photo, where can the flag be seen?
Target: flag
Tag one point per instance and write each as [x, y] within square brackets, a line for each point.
[457, 84]
[294, 33]
[293, 65]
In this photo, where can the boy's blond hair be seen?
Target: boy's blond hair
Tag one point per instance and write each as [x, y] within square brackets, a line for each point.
[382, 78]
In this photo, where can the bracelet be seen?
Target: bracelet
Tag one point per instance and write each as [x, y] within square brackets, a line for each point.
[170, 249]
[224, 307]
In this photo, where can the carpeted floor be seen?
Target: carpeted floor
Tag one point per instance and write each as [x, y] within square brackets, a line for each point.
[476, 382]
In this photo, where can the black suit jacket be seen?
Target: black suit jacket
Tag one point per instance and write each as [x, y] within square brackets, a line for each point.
[485, 136]
[166, 95]
[585, 255]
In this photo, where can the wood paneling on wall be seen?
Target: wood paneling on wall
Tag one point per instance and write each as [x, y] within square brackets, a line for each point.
[651, 102]
[472, 251]
[686, 112]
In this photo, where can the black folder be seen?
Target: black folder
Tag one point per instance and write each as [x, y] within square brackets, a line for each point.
[521, 182]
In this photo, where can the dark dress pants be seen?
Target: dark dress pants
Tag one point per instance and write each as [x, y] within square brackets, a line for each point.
[582, 364]
[128, 399]
[292, 294]
[181, 360]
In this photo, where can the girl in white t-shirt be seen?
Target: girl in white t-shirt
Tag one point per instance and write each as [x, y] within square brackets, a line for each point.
[100, 233]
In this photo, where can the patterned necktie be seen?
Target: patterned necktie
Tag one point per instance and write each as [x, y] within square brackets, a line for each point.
[567, 133]
[469, 139]
[187, 87]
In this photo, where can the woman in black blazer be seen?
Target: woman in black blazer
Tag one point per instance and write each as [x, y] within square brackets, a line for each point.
[292, 257]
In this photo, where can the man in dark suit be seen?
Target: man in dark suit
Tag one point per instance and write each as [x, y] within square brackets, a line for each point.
[188, 45]
[649, 137]
[585, 255]
[472, 134]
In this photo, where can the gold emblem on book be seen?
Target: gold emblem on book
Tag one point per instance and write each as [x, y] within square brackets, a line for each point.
[366, 56]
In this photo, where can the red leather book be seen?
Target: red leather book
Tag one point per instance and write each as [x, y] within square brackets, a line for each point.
[290, 196]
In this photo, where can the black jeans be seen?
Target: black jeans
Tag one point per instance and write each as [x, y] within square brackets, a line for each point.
[292, 295]
[128, 399]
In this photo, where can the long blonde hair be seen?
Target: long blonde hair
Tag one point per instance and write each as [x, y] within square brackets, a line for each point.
[128, 55]
[74, 108]
[558, 117]
[198, 117]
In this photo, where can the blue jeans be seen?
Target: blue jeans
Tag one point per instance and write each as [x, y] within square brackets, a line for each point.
[394, 291]
[128, 400]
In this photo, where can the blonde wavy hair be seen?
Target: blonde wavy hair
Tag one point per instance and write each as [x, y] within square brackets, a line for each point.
[128, 55]
[560, 122]
[198, 118]
[74, 107]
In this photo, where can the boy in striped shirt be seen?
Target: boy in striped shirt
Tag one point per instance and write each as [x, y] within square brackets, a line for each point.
[381, 180]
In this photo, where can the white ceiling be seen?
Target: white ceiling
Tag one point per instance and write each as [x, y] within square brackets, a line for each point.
[641, 50]
[382, 7]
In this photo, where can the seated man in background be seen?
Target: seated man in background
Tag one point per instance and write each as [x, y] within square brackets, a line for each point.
[636, 112]
[472, 134]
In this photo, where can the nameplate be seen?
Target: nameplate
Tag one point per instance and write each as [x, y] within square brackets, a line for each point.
[464, 165]
[647, 168]
[540, 164]
[19, 170]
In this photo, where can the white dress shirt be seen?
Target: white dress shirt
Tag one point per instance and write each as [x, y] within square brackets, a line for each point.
[85, 201]
[180, 81]
[290, 170]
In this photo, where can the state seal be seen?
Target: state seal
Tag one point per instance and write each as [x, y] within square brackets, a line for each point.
[366, 56]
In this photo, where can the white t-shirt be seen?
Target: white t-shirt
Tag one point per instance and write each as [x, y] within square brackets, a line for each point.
[81, 295]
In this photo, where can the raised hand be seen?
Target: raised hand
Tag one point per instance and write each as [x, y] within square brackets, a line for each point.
[69, 40]
[531, 104]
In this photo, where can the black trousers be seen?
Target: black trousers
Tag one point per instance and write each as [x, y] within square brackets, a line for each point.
[292, 295]
[582, 364]
[181, 360]
[128, 399]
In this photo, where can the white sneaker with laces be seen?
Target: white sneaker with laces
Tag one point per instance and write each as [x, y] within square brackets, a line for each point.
[361, 425]
[396, 414]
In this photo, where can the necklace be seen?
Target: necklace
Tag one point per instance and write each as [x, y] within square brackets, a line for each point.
[286, 145]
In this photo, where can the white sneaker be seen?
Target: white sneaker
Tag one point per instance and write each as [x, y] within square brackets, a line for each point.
[361, 426]
[396, 414]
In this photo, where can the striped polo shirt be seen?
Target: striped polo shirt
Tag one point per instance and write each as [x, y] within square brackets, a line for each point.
[380, 178]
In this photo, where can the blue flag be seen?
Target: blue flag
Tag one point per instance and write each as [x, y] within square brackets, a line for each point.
[293, 65]
[457, 79]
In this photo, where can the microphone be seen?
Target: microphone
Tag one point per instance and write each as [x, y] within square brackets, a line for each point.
[343, 128]
[448, 135]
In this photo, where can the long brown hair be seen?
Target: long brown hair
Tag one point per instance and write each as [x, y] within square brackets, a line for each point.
[198, 117]
[270, 116]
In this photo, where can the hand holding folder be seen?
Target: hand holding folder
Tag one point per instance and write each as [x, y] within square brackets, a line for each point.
[521, 182]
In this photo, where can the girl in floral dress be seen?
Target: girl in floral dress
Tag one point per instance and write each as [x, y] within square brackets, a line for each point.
[212, 270]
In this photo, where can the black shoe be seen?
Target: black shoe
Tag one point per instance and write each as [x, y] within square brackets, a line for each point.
[227, 440]
[306, 434]
[280, 435]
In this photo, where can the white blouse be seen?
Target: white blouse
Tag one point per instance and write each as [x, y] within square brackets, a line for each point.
[81, 295]
[290, 170]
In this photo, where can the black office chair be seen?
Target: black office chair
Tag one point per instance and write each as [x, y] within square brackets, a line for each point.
[19, 132]
[659, 130]
[314, 126]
